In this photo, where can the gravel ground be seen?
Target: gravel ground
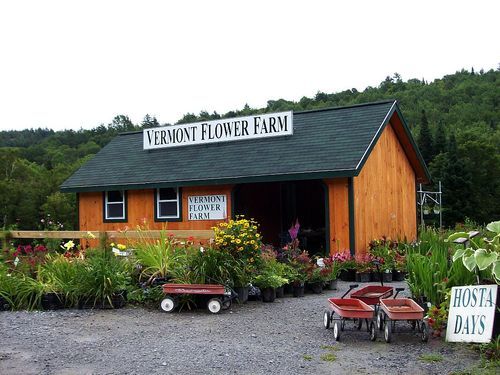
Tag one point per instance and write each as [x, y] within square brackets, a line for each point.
[284, 337]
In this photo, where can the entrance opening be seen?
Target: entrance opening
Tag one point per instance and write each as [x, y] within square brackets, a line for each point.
[276, 206]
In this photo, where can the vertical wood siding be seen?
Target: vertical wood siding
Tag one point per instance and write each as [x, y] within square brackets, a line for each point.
[339, 214]
[385, 194]
[140, 209]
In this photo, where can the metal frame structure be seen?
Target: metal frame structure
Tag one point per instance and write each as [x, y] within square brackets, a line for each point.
[430, 197]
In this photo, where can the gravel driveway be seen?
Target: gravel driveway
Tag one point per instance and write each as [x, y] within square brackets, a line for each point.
[284, 337]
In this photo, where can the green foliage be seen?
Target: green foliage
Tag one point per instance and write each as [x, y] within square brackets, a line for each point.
[430, 268]
[481, 254]
[156, 258]
[102, 276]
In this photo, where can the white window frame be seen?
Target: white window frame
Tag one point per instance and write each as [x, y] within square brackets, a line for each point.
[106, 203]
[158, 201]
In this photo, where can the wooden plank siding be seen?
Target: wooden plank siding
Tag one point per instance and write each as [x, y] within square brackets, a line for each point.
[140, 210]
[339, 214]
[385, 194]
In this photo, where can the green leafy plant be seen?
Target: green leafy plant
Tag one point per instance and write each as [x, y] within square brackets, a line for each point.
[155, 258]
[482, 254]
[102, 276]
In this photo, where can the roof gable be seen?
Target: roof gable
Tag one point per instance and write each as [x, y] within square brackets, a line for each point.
[325, 143]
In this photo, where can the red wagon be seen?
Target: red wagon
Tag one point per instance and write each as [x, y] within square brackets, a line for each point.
[342, 309]
[221, 296]
[402, 309]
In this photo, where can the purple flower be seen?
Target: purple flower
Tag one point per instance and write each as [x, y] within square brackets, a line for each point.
[294, 230]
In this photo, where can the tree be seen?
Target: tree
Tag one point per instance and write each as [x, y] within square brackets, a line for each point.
[439, 139]
[425, 139]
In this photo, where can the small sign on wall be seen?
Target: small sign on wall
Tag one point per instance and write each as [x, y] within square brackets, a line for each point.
[207, 207]
[472, 313]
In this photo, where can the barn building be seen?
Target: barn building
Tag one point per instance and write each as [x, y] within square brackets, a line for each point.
[348, 174]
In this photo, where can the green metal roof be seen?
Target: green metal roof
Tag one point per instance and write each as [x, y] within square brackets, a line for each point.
[332, 142]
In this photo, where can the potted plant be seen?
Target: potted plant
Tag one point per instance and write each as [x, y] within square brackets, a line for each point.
[364, 268]
[426, 209]
[399, 271]
[331, 272]
[315, 279]
[347, 265]
[300, 263]
[268, 282]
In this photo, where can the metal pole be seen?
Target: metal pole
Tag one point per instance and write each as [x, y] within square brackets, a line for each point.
[440, 207]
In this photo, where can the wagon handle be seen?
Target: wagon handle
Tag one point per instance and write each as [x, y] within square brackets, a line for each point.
[397, 291]
[351, 287]
[381, 276]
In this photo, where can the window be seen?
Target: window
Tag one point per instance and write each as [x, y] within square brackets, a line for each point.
[168, 204]
[115, 207]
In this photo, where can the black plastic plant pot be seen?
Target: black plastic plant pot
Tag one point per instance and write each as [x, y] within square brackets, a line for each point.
[242, 294]
[4, 305]
[316, 288]
[331, 285]
[363, 277]
[298, 290]
[398, 275]
[387, 277]
[51, 301]
[268, 294]
[280, 292]
[288, 288]
[348, 275]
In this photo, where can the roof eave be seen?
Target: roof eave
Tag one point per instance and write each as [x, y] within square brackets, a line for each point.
[315, 175]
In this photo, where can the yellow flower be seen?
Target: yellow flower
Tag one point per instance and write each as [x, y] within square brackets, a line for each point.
[121, 247]
[238, 241]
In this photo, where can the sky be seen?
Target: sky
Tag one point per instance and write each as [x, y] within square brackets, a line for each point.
[77, 64]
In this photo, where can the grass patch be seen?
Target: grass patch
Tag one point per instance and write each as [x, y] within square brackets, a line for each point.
[328, 357]
[307, 357]
[431, 357]
[329, 347]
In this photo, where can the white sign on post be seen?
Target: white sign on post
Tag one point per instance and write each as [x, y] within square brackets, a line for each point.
[207, 207]
[223, 130]
[472, 313]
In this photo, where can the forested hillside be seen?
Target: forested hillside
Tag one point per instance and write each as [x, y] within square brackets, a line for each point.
[454, 119]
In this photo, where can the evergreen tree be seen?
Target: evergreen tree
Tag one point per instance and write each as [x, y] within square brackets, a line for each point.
[439, 139]
[425, 139]
[457, 186]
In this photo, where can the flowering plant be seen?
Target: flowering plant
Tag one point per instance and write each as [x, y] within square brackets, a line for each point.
[344, 259]
[240, 238]
[26, 258]
[332, 268]
[364, 263]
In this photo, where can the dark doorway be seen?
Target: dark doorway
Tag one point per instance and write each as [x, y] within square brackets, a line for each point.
[276, 206]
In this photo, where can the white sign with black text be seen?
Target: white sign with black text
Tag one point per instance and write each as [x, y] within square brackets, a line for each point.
[223, 130]
[472, 313]
[207, 207]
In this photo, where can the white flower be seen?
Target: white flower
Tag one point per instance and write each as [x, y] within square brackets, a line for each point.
[202, 249]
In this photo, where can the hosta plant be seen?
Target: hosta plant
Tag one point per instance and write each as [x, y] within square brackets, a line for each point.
[481, 254]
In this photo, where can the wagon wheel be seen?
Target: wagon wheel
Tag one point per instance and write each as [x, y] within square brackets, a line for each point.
[380, 320]
[214, 305]
[387, 331]
[168, 304]
[359, 324]
[373, 332]
[425, 332]
[342, 324]
[336, 330]
[393, 326]
[413, 324]
[327, 317]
